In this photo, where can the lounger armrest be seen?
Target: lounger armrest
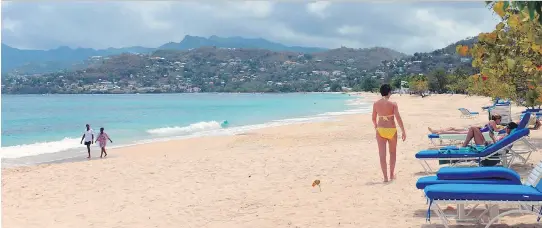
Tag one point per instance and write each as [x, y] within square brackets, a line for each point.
[450, 173]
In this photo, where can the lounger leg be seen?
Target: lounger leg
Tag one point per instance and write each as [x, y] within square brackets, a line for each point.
[515, 155]
[527, 158]
[494, 212]
[472, 209]
[504, 161]
[460, 212]
[529, 144]
[512, 158]
[426, 166]
[440, 214]
[519, 211]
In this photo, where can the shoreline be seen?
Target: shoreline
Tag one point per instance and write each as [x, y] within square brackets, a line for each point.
[23, 94]
[74, 154]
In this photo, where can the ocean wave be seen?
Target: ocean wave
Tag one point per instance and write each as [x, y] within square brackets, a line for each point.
[190, 129]
[33, 149]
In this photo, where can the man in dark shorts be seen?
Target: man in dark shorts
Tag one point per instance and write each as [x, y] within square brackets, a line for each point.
[88, 136]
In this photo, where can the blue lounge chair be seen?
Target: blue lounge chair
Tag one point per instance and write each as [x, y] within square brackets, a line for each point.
[492, 152]
[527, 196]
[471, 175]
[532, 110]
[497, 102]
[465, 113]
[476, 175]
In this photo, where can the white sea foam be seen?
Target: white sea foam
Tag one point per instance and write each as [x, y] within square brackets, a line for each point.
[40, 148]
[192, 128]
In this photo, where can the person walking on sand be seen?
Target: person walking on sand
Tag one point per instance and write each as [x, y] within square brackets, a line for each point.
[88, 136]
[384, 112]
[102, 139]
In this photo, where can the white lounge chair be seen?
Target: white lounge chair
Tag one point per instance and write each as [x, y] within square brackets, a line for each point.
[465, 113]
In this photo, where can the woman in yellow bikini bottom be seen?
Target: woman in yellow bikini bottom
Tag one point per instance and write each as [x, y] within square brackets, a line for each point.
[386, 132]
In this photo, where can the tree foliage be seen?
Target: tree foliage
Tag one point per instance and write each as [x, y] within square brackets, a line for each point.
[510, 57]
[368, 84]
[532, 8]
[437, 81]
[418, 84]
[396, 82]
[458, 82]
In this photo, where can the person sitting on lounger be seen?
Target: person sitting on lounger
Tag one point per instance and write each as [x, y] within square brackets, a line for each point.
[491, 125]
[476, 134]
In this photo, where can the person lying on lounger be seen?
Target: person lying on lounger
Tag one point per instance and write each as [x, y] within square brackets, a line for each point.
[476, 134]
[491, 125]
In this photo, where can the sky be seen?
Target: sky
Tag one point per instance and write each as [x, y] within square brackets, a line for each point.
[404, 26]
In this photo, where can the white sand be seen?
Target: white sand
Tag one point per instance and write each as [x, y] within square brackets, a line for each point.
[259, 179]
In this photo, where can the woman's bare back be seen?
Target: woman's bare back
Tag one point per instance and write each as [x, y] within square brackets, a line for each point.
[385, 110]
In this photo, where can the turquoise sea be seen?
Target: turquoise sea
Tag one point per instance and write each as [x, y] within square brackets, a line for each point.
[47, 128]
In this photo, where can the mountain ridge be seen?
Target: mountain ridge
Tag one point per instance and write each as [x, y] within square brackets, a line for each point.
[67, 57]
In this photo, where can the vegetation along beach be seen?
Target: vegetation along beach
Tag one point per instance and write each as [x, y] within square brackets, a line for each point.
[222, 130]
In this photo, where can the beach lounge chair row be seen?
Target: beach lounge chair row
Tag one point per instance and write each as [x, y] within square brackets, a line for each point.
[489, 186]
[501, 151]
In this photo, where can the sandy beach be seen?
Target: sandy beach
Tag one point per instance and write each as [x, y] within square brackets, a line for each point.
[258, 179]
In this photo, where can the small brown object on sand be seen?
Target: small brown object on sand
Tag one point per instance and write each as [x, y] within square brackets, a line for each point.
[316, 182]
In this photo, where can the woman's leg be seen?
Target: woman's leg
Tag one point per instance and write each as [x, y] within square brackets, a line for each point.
[105, 152]
[393, 155]
[479, 138]
[450, 130]
[470, 135]
[463, 131]
[476, 134]
[382, 153]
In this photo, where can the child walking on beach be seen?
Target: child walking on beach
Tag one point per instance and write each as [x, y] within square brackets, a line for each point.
[386, 132]
[102, 139]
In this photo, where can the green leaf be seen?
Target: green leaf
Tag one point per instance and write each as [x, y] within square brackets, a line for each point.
[538, 8]
[531, 6]
[510, 63]
[506, 5]
[519, 5]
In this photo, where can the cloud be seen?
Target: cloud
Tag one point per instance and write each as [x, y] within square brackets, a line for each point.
[10, 25]
[408, 27]
[350, 30]
[318, 8]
